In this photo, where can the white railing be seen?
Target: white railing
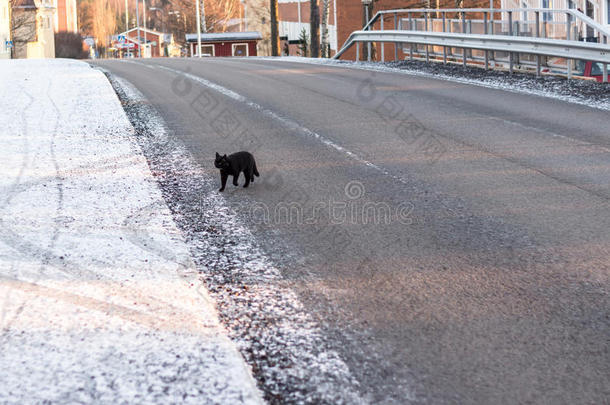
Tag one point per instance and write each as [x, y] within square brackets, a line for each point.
[497, 36]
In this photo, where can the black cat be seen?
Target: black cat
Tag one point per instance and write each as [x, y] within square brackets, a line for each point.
[233, 164]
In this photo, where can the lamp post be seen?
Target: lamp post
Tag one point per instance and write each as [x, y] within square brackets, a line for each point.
[198, 29]
[138, 25]
[144, 18]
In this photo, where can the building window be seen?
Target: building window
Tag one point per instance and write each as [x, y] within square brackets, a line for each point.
[240, 49]
[207, 50]
[547, 16]
[608, 12]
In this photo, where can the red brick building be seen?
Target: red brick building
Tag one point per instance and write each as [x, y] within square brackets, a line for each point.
[153, 43]
[225, 43]
[345, 17]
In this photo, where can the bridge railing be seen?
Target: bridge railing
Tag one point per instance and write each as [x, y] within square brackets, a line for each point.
[525, 37]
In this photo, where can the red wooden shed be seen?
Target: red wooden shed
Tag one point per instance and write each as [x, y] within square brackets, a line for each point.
[225, 43]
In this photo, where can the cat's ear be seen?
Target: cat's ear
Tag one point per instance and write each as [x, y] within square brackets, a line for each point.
[217, 155]
[225, 156]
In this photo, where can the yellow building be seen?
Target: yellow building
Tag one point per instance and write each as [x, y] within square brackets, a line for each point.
[5, 30]
[33, 29]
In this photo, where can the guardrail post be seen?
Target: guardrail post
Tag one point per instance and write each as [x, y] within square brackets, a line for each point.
[510, 32]
[402, 45]
[411, 29]
[444, 47]
[396, 43]
[517, 33]
[382, 44]
[545, 30]
[537, 34]
[368, 44]
[463, 32]
[491, 31]
[568, 37]
[426, 29]
[486, 31]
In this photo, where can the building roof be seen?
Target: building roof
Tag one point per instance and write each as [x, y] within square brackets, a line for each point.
[142, 30]
[225, 36]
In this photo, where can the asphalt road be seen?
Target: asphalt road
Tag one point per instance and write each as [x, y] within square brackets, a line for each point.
[488, 280]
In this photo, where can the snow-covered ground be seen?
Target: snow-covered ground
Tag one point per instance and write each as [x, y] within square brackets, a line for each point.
[589, 93]
[100, 300]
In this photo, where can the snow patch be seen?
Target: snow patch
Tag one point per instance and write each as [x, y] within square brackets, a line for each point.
[100, 300]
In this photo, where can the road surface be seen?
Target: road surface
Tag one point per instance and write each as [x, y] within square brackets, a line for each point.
[452, 241]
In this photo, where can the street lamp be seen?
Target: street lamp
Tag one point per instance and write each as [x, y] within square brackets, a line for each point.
[144, 11]
[198, 29]
[138, 25]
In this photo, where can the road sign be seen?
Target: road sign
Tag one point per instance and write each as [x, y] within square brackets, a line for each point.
[121, 38]
[9, 44]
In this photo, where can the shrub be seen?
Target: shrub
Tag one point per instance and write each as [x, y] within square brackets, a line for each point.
[69, 45]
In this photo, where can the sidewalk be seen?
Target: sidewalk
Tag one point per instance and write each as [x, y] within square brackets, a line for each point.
[99, 298]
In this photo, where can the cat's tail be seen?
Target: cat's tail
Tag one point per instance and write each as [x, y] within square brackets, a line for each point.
[255, 170]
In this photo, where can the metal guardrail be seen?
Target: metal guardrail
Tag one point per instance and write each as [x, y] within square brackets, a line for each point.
[514, 45]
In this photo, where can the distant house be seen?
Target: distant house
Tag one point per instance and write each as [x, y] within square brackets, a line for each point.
[5, 30]
[225, 43]
[153, 43]
[33, 33]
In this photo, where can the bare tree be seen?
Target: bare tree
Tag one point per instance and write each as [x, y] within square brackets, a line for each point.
[22, 25]
[324, 40]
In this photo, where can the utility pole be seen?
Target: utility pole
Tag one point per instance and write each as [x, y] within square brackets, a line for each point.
[126, 15]
[198, 29]
[275, 37]
[314, 28]
[138, 25]
[144, 16]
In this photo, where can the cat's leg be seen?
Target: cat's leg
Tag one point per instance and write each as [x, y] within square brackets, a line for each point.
[235, 177]
[223, 180]
[248, 175]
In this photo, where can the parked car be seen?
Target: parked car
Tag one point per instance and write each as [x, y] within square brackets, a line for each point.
[589, 69]
[584, 68]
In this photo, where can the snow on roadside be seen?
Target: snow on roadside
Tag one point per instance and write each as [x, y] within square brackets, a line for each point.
[264, 316]
[588, 93]
[100, 300]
